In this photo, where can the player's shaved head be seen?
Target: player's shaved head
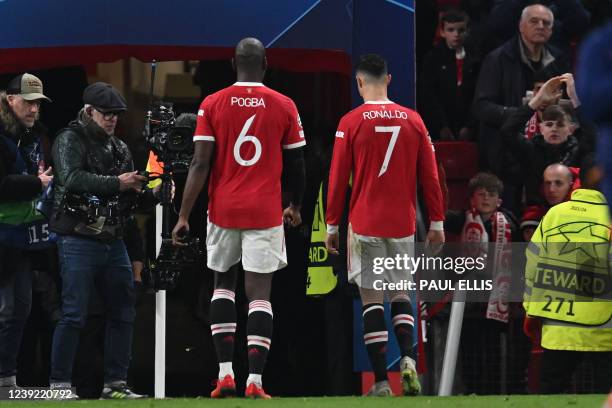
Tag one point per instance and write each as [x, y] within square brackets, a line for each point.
[250, 56]
[372, 68]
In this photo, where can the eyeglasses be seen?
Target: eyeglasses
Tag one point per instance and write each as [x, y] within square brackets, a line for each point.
[109, 115]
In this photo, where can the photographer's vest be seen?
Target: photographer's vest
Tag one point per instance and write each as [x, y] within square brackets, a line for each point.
[568, 280]
[21, 226]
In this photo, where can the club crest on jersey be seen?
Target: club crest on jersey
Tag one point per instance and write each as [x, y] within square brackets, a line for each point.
[247, 102]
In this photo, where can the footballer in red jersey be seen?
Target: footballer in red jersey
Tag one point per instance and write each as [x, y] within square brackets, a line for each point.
[252, 135]
[385, 148]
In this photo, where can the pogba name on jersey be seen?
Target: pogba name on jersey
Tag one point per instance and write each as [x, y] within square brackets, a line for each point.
[247, 102]
[385, 114]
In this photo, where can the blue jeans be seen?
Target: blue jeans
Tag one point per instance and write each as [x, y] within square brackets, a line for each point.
[82, 260]
[15, 305]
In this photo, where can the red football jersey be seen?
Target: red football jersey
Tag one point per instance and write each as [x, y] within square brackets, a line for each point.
[250, 125]
[384, 146]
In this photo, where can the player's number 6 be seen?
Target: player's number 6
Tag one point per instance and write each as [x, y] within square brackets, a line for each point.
[243, 138]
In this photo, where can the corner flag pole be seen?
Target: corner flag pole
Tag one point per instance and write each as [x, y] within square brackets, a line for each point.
[160, 320]
[160, 295]
[452, 344]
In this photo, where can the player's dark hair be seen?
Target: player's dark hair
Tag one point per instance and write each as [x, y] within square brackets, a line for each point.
[488, 181]
[373, 65]
[454, 15]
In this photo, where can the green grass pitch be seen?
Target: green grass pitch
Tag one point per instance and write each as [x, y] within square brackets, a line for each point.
[514, 401]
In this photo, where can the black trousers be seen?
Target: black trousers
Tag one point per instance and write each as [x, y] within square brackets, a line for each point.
[558, 366]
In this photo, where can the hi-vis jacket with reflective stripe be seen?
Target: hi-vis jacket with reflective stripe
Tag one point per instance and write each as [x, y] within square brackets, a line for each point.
[567, 277]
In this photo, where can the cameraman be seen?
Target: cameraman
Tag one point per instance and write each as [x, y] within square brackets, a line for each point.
[91, 161]
[21, 181]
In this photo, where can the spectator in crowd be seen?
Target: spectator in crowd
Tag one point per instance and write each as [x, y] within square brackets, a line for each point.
[571, 20]
[22, 180]
[516, 163]
[576, 318]
[486, 229]
[482, 220]
[558, 182]
[505, 76]
[554, 143]
[90, 159]
[447, 81]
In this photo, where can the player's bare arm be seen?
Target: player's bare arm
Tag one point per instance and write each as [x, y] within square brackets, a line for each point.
[294, 181]
[196, 178]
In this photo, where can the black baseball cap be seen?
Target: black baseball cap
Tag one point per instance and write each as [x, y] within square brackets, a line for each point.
[28, 86]
[104, 97]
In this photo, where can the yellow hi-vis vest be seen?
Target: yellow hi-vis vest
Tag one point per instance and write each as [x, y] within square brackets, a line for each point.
[567, 276]
[321, 278]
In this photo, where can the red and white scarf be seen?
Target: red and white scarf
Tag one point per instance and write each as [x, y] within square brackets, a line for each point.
[531, 128]
[475, 235]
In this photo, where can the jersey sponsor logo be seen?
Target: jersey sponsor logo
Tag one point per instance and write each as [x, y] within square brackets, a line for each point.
[340, 134]
[299, 120]
[385, 114]
[247, 102]
[201, 112]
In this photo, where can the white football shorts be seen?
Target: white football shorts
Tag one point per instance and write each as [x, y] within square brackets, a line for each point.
[261, 250]
[363, 252]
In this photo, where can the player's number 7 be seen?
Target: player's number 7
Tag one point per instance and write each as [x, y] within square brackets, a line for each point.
[243, 138]
[394, 130]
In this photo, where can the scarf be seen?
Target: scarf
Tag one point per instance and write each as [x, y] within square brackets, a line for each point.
[476, 238]
[531, 127]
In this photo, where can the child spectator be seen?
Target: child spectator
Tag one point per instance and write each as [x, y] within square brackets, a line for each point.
[489, 226]
[521, 128]
[448, 79]
[554, 142]
[485, 217]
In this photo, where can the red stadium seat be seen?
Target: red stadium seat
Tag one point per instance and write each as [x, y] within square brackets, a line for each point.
[460, 162]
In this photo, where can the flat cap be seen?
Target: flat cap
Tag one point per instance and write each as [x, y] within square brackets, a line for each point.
[104, 97]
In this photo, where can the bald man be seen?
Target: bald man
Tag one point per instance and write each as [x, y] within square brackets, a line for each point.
[251, 135]
[557, 184]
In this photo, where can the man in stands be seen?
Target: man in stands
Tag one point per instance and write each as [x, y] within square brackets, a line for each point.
[556, 188]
